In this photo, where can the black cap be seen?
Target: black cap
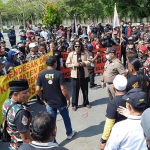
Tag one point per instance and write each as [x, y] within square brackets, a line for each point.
[51, 60]
[18, 85]
[110, 50]
[137, 98]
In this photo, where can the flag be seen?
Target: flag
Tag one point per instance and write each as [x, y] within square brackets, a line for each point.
[88, 30]
[116, 19]
[75, 29]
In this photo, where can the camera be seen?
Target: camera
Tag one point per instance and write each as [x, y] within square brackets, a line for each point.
[22, 57]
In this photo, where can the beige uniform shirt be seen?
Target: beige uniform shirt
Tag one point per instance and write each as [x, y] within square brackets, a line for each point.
[111, 69]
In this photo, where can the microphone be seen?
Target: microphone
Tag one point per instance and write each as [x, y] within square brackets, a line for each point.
[79, 59]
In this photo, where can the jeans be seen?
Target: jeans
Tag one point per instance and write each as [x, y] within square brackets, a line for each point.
[65, 115]
[91, 75]
[10, 148]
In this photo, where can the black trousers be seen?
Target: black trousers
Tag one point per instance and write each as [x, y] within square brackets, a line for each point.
[12, 43]
[77, 84]
[91, 76]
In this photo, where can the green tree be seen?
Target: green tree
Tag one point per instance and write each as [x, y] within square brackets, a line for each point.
[2, 9]
[82, 8]
[52, 15]
[127, 8]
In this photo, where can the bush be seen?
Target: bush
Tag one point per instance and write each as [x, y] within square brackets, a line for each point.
[52, 15]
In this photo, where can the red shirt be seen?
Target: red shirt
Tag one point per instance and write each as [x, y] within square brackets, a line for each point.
[129, 32]
[96, 45]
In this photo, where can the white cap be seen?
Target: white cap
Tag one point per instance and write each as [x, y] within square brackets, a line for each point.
[32, 45]
[120, 82]
[43, 26]
[15, 50]
[138, 24]
[130, 38]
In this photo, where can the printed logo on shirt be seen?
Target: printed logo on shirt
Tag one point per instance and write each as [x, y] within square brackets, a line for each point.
[24, 120]
[141, 100]
[50, 78]
[136, 84]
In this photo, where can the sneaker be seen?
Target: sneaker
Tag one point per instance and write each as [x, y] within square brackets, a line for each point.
[74, 108]
[88, 106]
[72, 134]
[93, 85]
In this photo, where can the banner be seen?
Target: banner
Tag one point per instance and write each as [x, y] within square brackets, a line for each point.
[66, 71]
[27, 71]
[101, 59]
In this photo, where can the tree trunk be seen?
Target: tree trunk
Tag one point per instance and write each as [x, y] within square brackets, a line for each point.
[1, 23]
[32, 22]
[23, 17]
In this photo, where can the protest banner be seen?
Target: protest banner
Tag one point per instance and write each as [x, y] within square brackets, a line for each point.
[101, 59]
[27, 71]
[66, 71]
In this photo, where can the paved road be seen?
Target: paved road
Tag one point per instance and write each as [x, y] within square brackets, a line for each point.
[88, 129]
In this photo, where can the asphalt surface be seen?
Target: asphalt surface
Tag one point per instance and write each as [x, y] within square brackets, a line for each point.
[88, 123]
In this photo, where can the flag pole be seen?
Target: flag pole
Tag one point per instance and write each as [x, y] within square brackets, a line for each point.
[88, 30]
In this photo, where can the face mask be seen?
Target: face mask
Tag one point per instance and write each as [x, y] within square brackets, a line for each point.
[22, 49]
[108, 57]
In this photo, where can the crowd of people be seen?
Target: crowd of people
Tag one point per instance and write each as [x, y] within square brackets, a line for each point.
[127, 80]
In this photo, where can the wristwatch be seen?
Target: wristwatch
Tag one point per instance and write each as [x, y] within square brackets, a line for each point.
[103, 141]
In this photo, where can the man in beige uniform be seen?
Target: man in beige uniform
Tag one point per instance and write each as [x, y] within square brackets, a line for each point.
[113, 67]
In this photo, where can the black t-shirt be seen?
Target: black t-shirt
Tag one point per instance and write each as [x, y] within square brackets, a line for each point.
[108, 43]
[36, 147]
[135, 36]
[80, 72]
[112, 106]
[116, 40]
[51, 80]
[133, 83]
[57, 54]
[22, 120]
[7, 49]
[23, 37]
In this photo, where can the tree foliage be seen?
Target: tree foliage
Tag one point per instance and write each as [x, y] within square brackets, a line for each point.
[13, 10]
[104, 8]
[52, 15]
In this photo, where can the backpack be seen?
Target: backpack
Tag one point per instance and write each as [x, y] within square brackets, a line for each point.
[5, 137]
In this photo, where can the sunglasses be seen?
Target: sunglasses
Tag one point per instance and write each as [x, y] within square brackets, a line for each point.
[77, 46]
[130, 49]
[141, 52]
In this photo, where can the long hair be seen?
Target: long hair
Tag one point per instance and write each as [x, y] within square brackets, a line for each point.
[142, 78]
[135, 63]
[80, 43]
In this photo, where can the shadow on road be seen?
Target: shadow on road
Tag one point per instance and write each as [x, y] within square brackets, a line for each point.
[100, 101]
[88, 132]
